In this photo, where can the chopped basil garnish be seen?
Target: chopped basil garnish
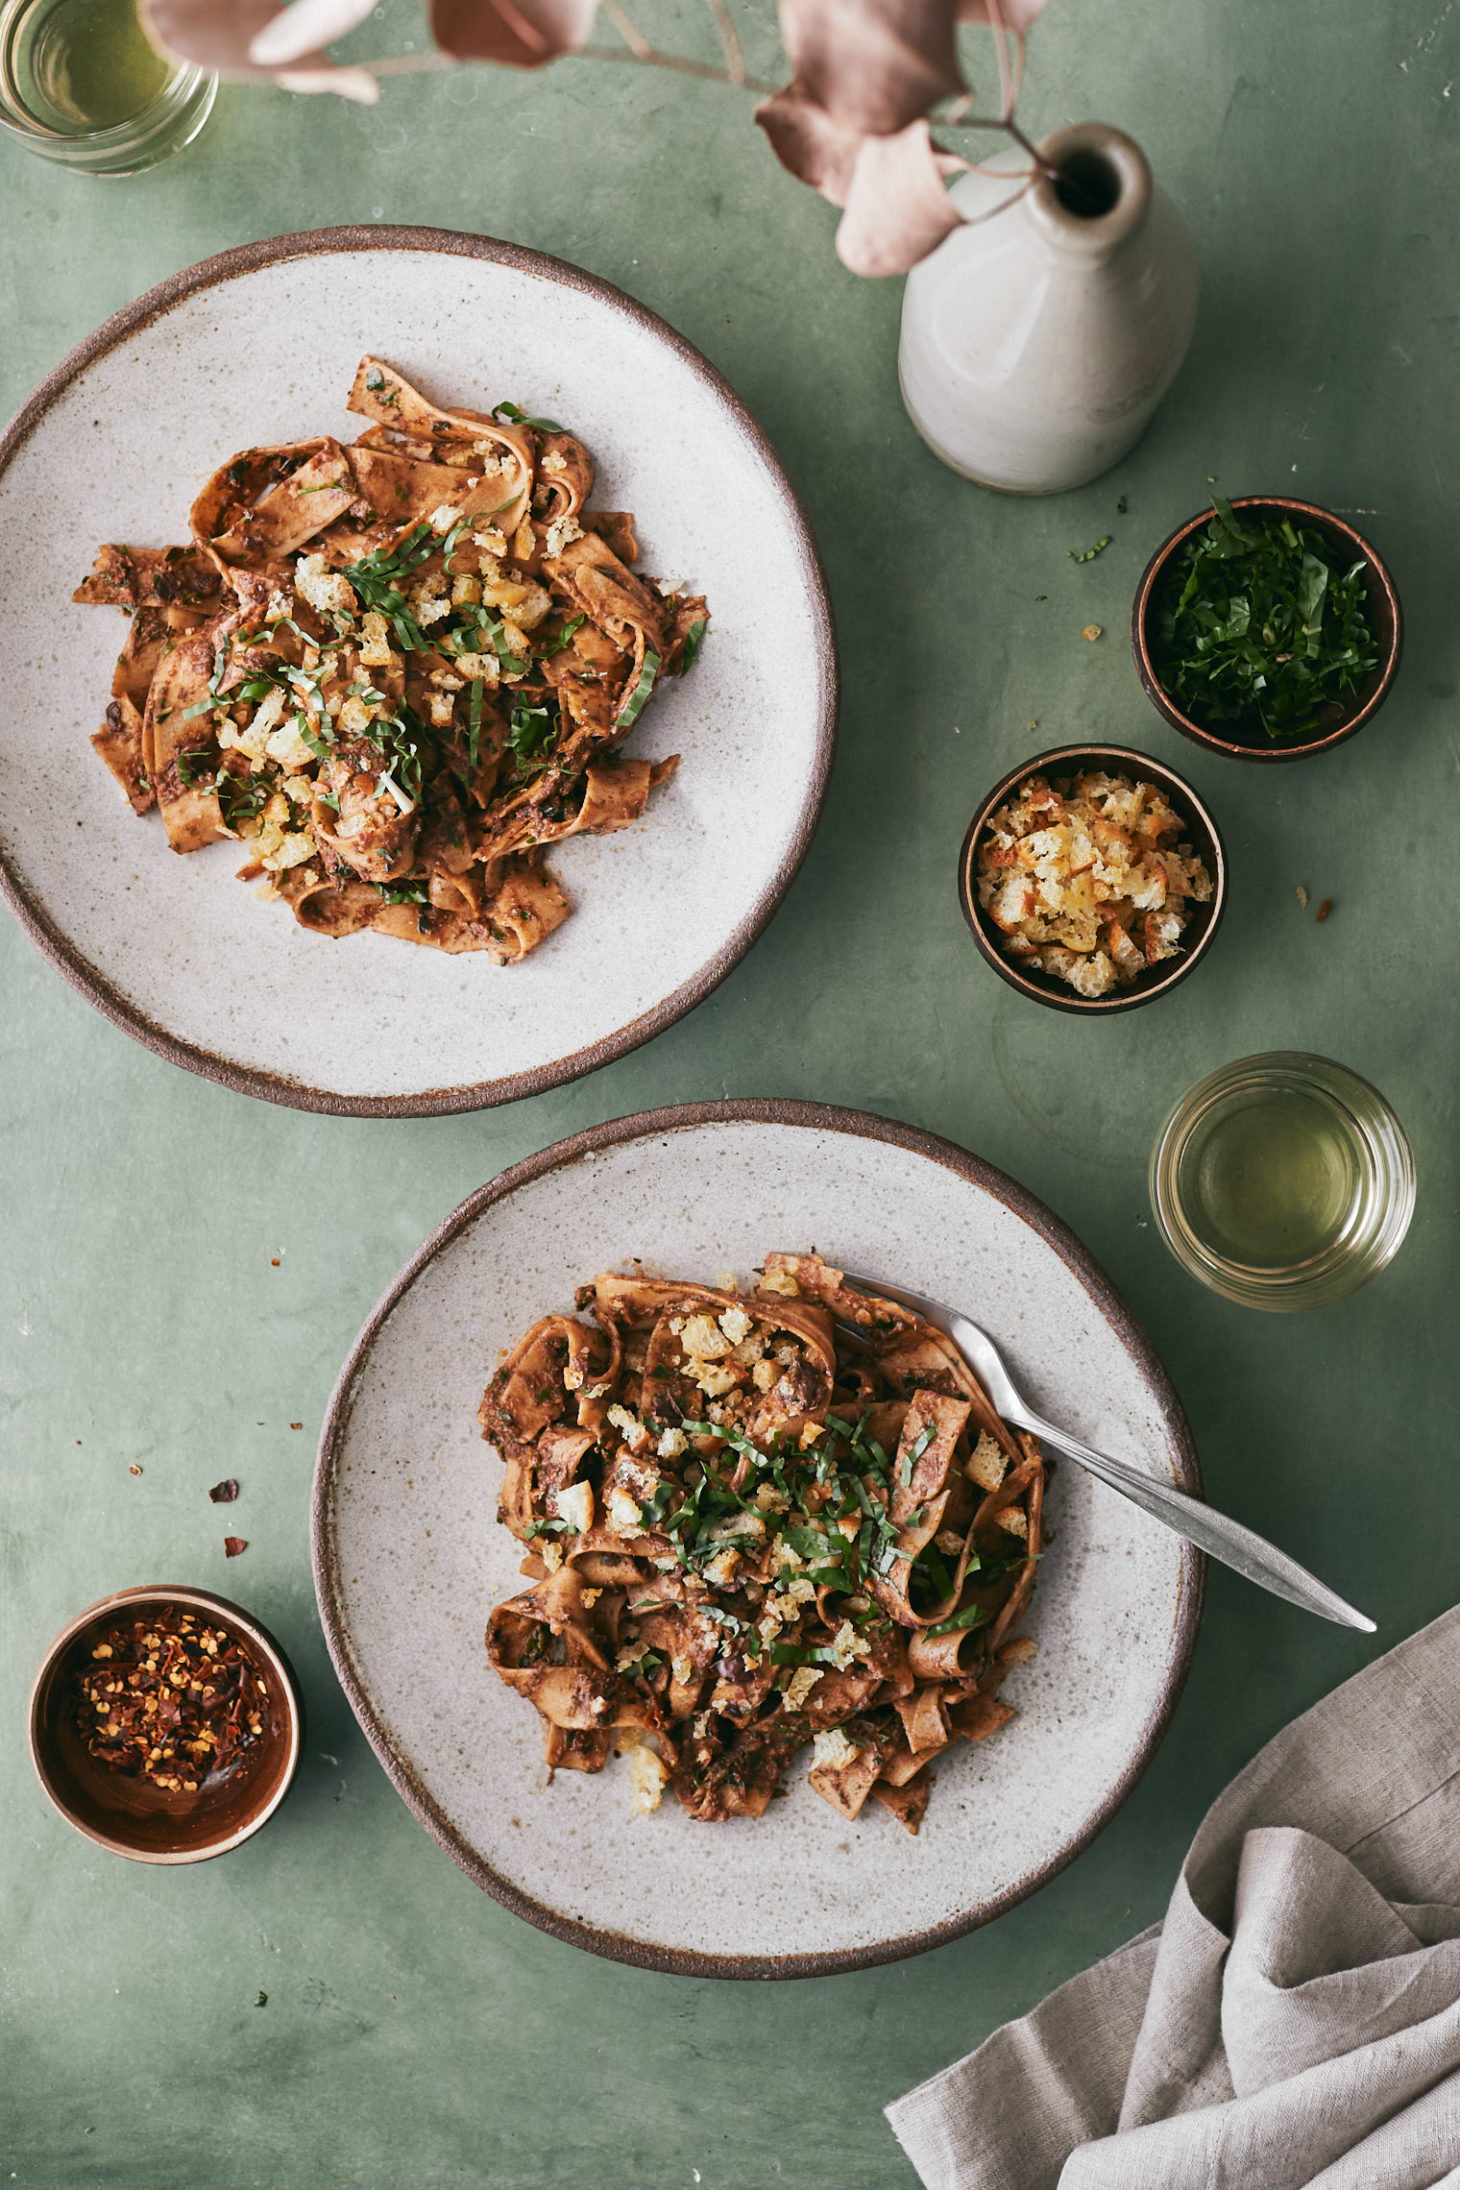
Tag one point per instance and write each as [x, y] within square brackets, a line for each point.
[972, 1615]
[510, 412]
[474, 721]
[556, 644]
[533, 731]
[1263, 625]
[633, 705]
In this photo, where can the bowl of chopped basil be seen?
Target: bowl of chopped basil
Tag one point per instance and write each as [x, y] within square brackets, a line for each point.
[1266, 628]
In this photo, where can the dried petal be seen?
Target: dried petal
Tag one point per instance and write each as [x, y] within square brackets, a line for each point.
[305, 27]
[897, 208]
[224, 1493]
[523, 33]
[873, 65]
[809, 143]
[232, 1545]
[220, 35]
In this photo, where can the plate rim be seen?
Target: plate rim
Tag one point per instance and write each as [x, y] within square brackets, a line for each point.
[822, 1118]
[278, 1087]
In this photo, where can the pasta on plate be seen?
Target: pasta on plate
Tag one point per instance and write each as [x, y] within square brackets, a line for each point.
[755, 1523]
[395, 670]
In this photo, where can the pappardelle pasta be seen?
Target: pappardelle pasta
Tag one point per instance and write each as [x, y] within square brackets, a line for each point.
[395, 670]
[753, 1523]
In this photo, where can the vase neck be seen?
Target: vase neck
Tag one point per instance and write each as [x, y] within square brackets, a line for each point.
[1101, 196]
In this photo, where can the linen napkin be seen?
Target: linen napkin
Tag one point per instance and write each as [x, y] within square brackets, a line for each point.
[1294, 2020]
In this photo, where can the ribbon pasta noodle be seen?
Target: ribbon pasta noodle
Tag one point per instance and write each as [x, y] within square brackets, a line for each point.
[395, 670]
[755, 1523]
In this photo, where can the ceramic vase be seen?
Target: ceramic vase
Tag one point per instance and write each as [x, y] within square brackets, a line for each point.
[1037, 342]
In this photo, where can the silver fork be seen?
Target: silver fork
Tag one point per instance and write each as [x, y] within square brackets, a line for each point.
[1240, 1548]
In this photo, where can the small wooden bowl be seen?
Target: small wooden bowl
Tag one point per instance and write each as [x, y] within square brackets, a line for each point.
[1384, 616]
[1200, 832]
[128, 1815]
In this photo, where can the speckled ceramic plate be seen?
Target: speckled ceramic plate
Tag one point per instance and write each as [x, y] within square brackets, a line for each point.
[260, 345]
[409, 1558]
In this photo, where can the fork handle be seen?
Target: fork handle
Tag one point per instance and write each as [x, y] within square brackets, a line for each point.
[1240, 1548]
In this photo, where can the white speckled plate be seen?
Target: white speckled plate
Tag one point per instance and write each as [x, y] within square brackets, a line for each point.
[260, 345]
[409, 1558]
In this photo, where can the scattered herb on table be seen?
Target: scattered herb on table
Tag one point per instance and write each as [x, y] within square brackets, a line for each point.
[169, 1699]
[1088, 555]
[1261, 625]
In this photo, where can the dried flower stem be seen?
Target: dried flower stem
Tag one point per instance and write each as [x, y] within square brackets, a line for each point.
[729, 39]
[407, 64]
[705, 70]
[629, 31]
[641, 53]
[1007, 91]
[1027, 144]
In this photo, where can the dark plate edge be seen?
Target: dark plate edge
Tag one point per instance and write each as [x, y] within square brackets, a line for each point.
[821, 1118]
[482, 1094]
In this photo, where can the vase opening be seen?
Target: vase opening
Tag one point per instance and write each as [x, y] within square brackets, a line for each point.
[1089, 185]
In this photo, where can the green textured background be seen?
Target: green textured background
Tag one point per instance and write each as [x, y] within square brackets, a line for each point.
[414, 2031]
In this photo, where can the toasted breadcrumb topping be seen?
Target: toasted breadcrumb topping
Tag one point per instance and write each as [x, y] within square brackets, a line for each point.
[1089, 880]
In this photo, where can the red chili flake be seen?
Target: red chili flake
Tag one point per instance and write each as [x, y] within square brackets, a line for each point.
[273, 1265]
[1325, 908]
[171, 1698]
[232, 1545]
[296, 1425]
[134, 1469]
[224, 1493]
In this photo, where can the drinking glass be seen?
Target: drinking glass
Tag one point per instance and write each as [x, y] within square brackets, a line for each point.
[80, 84]
[1283, 1181]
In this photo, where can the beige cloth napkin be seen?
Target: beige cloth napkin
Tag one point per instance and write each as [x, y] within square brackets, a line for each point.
[1296, 2018]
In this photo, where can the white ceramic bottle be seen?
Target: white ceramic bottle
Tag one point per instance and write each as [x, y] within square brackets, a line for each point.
[1036, 344]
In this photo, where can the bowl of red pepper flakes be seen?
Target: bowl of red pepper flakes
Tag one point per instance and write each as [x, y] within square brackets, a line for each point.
[165, 1724]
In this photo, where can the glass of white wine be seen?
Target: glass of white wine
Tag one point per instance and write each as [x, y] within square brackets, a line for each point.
[1283, 1181]
[81, 83]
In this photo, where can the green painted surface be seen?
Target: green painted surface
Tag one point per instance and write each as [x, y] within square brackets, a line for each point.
[415, 2032]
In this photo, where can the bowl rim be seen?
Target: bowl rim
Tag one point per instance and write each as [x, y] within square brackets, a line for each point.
[1232, 748]
[821, 1119]
[1143, 992]
[275, 1086]
[204, 1600]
